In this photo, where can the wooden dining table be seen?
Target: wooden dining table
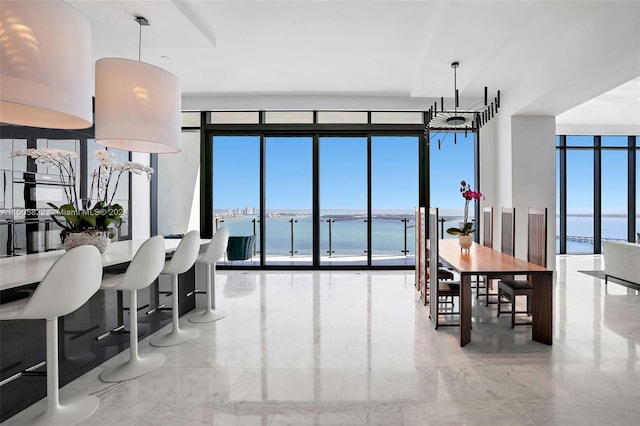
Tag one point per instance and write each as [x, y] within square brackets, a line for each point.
[481, 260]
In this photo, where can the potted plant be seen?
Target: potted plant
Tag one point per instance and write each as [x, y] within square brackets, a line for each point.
[464, 234]
[93, 220]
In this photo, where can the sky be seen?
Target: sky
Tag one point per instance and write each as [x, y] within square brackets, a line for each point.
[614, 175]
[343, 172]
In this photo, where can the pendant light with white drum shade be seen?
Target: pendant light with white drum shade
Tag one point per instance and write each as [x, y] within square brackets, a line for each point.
[45, 65]
[138, 106]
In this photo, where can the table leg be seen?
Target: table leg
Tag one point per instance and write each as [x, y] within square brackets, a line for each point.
[465, 309]
[542, 307]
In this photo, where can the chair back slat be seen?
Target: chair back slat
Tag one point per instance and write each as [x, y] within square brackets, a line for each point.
[487, 225]
[537, 245]
[508, 240]
[433, 263]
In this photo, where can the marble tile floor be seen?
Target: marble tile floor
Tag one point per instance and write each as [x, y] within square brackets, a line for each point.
[357, 348]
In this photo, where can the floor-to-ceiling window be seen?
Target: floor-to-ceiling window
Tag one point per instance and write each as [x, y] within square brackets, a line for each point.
[580, 194]
[394, 191]
[325, 188]
[343, 200]
[637, 164]
[599, 180]
[559, 167]
[614, 163]
[236, 196]
[451, 161]
[289, 200]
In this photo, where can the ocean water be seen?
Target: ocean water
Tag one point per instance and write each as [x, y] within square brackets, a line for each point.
[349, 233]
[613, 228]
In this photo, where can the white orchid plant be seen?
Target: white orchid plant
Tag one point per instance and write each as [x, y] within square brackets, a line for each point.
[98, 212]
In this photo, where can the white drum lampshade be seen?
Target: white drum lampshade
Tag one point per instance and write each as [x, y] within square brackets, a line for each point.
[45, 65]
[138, 107]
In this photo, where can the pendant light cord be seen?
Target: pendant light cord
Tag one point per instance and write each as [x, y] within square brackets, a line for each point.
[140, 42]
[455, 97]
[141, 20]
[455, 89]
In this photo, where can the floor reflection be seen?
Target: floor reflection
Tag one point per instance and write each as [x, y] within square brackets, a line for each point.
[348, 347]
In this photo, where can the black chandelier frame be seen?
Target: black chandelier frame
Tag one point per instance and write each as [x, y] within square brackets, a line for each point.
[441, 120]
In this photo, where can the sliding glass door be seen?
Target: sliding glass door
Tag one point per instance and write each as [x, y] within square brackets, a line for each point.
[289, 200]
[317, 200]
[343, 200]
[236, 191]
[394, 196]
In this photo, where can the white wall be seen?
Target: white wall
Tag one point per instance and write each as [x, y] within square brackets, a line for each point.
[140, 200]
[496, 169]
[488, 176]
[517, 169]
[533, 176]
[179, 187]
[577, 129]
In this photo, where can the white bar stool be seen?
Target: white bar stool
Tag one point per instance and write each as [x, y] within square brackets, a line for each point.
[68, 284]
[141, 272]
[183, 259]
[215, 250]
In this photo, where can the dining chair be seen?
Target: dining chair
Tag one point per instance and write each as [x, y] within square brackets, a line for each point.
[444, 274]
[183, 259]
[507, 246]
[444, 293]
[487, 241]
[68, 285]
[215, 251]
[536, 253]
[143, 270]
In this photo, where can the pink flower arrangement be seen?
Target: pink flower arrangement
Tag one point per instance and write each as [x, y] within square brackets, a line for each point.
[468, 195]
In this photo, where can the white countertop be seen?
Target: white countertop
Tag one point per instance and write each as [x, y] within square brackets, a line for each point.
[17, 271]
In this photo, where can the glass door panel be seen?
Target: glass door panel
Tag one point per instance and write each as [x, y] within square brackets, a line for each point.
[638, 191]
[343, 200]
[580, 220]
[394, 197]
[614, 194]
[289, 200]
[451, 162]
[236, 190]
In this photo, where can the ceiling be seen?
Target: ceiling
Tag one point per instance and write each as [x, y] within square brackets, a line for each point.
[549, 55]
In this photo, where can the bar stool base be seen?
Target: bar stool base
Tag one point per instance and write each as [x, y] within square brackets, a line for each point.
[132, 368]
[174, 337]
[208, 315]
[73, 411]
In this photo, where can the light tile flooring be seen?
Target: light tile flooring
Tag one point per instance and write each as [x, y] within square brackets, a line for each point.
[356, 348]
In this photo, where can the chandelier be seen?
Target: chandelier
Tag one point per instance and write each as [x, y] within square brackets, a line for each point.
[439, 122]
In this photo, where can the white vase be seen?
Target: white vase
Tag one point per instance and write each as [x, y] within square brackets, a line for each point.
[465, 241]
[93, 237]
